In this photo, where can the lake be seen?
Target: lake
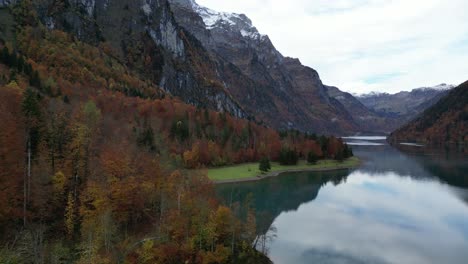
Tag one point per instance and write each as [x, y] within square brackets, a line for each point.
[405, 205]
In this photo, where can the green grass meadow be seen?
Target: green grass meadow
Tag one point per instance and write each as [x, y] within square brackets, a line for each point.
[250, 170]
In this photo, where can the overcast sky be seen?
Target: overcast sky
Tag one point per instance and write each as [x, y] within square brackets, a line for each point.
[366, 45]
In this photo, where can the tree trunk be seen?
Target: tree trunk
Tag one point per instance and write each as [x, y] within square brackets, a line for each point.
[24, 198]
[29, 170]
[232, 242]
[26, 183]
[179, 195]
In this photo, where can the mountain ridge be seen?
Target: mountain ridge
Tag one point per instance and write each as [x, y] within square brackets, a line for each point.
[446, 122]
[404, 105]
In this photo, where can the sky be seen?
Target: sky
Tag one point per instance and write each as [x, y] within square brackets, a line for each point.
[366, 45]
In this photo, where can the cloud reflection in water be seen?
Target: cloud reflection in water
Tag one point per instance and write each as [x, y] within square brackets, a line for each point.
[375, 218]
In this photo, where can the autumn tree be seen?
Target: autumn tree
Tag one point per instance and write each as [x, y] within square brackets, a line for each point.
[12, 147]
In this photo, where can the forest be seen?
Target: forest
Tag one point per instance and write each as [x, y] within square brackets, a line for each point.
[98, 163]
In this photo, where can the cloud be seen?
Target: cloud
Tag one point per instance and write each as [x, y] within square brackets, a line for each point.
[355, 43]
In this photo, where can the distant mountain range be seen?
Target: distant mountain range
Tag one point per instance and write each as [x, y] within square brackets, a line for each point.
[446, 122]
[383, 112]
[404, 104]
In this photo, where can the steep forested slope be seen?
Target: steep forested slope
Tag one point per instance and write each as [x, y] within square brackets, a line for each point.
[445, 122]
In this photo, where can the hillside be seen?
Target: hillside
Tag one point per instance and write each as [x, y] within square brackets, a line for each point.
[446, 122]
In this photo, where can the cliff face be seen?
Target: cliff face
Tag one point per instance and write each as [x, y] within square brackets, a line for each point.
[277, 89]
[146, 38]
[446, 122]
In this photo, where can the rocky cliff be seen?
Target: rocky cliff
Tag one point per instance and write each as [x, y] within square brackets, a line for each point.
[146, 37]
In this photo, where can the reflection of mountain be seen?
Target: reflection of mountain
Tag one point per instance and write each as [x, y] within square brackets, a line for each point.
[447, 165]
[383, 159]
[279, 194]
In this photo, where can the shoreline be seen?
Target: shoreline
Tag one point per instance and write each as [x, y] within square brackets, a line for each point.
[277, 173]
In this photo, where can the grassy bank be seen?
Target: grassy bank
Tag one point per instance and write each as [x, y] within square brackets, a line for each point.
[250, 171]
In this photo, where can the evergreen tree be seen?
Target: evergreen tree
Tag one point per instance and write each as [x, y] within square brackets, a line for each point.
[20, 64]
[312, 158]
[146, 138]
[264, 165]
[340, 155]
[288, 157]
[35, 80]
[32, 114]
[5, 56]
[347, 151]
[31, 111]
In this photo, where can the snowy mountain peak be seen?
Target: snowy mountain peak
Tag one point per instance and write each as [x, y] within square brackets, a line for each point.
[213, 19]
[440, 87]
[444, 86]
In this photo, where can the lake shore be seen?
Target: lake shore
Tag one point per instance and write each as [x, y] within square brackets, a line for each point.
[245, 173]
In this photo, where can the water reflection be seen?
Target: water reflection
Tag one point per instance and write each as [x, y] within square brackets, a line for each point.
[405, 205]
[273, 196]
[375, 219]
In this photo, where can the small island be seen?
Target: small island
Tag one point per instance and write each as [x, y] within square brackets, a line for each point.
[250, 171]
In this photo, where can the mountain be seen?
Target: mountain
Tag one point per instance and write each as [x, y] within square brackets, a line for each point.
[368, 121]
[209, 59]
[444, 122]
[145, 37]
[277, 89]
[404, 105]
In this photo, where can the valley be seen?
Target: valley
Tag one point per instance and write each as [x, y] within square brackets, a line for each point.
[164, 131]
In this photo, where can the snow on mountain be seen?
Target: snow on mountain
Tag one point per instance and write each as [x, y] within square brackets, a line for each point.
[443, 86]
[440, 87]
[236, 22]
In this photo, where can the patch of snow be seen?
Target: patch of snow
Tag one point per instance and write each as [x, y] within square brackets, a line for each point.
[146, 9]
[371, 94]
[237, 22]
[440, 87]
[444, 86]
